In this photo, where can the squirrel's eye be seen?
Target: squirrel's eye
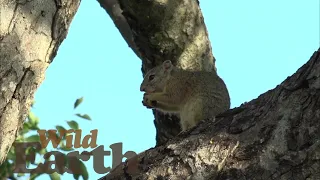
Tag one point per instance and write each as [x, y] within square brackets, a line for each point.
[151, 77]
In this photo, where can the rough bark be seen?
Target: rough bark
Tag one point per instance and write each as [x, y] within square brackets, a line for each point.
[276, 136]
[157, 30]
[31, 32]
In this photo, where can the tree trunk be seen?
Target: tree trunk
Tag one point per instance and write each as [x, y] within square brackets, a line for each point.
[30, 35]
[158, 30]
[276, 136]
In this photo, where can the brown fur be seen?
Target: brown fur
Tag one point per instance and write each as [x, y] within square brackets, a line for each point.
[194, 95]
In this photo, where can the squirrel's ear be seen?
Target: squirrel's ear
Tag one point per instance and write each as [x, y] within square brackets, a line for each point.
[167, 64]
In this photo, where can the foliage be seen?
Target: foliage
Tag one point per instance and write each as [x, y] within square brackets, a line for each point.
[29, 134]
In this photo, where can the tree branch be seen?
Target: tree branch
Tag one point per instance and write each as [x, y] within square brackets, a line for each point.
[158, 30]
[276, 136]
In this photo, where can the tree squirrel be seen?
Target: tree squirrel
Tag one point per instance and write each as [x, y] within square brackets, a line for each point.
[193, 95]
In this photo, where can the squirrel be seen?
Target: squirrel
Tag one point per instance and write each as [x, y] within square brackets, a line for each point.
[193, 95]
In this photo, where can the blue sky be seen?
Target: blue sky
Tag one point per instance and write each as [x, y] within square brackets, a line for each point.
[257, 45]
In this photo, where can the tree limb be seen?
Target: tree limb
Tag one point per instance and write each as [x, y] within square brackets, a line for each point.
[276, 136]
[158, 30]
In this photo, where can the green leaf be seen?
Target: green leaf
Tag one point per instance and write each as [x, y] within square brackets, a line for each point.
[73, 124]
[32, 138]
[26, 128]
[4, 169]
[43, 151]
[76, 176]
[20, 174]
[54, 176]
[34, 176]
[28, 151]
[11, 155]
[60, 128]
[85, 116]
[28, 163]
[78, 102]
[26, 125]
[33, 119]
[34, 127]
[20, 138]
[84, 172]
[64, 148]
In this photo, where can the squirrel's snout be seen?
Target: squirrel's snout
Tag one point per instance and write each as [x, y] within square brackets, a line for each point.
[142, 88]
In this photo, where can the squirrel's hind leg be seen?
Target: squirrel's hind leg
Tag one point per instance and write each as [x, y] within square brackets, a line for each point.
[188, 119]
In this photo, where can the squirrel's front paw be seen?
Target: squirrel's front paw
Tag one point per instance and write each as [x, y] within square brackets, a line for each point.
[148, 102]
